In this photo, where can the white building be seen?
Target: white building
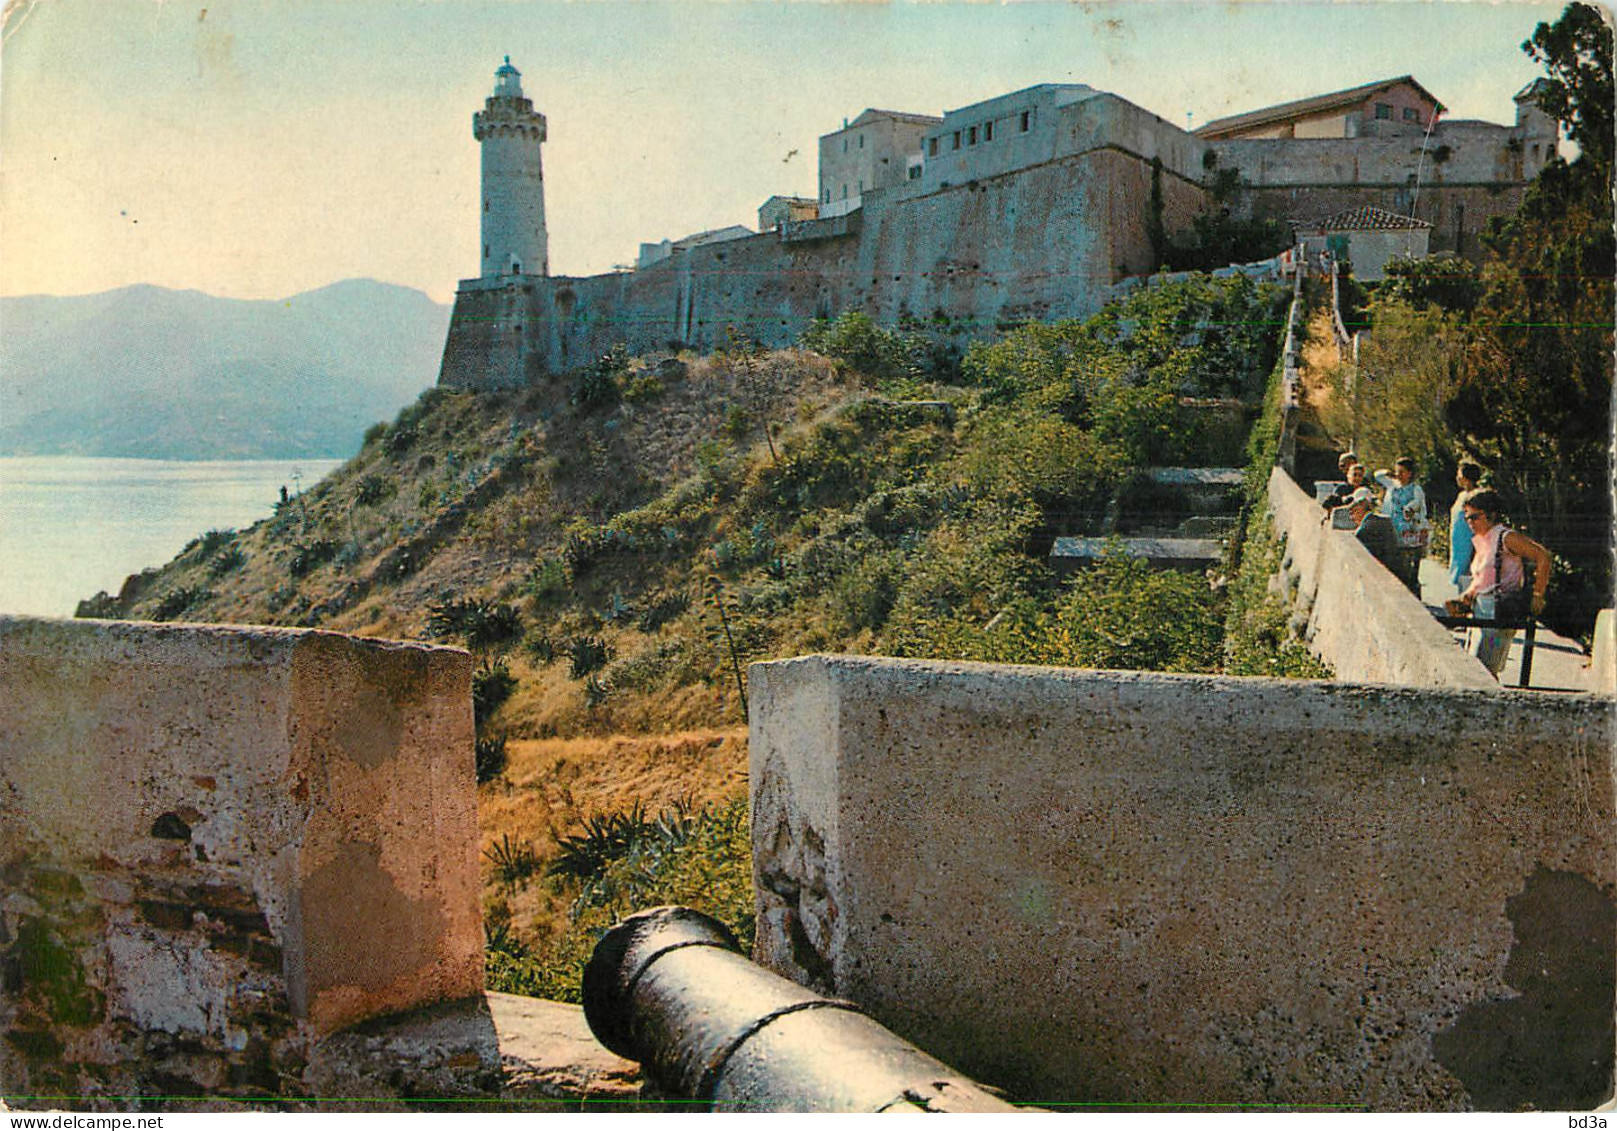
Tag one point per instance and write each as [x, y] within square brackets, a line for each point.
[874, 151]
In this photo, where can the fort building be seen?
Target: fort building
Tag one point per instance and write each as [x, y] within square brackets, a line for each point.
[778, 210]
[874, 151]
[1034, 205]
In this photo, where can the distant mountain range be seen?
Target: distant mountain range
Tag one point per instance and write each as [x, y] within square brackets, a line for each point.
[145, 371]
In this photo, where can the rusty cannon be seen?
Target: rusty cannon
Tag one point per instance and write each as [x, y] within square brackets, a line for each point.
[671, 989]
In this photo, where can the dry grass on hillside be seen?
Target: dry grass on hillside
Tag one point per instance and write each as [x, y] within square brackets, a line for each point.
[551, 786]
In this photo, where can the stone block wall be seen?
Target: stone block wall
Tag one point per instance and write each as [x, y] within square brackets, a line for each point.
[1144, 889]
[1042, 243]
[219, 845]
[1359, 617]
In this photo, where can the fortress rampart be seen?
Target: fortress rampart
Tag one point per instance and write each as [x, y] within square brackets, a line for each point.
[1146, 889]
[1069, 194]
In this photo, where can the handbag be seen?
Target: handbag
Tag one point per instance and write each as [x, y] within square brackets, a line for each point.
[1508, 605]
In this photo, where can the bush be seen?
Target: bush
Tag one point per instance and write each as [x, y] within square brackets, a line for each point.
[227, 561]
[490, 756]
[546, 579]
[1452, 284]
[879, 354]
[213, 541]
[491, 687]
[599, 382]
[663, 610]
[586, 654]
[697, 859]
[643, 387]
[373, 489]
[179, 600]
[486, 627]
[309, 556]
[400, 438]
[514, 861]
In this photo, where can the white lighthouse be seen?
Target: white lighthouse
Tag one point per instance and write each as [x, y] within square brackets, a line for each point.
[511, 132]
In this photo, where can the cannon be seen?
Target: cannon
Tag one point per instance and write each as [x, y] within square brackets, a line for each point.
[671, 989]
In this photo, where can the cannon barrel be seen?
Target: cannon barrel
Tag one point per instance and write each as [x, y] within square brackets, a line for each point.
[671, 989]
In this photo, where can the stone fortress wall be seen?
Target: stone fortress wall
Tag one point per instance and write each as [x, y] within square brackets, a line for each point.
[1046, 204]
[1145, 889]
[220, 846]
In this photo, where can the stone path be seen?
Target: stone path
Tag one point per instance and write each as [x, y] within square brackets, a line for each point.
[1558, 663]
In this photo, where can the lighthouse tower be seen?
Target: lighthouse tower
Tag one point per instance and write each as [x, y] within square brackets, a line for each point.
[511, 132]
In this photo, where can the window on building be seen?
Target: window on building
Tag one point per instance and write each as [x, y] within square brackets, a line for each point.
[957, 139]
[828, 196]
[931, 147]
[861, 141]
[1027, 120]
[485, 206]
[915, 172]
[971, 136]
[844, 145]
[1411, 115]
[1383, 111]
[861, 188]
[516, 268]
[844, 192]
[485, 251]
[988, 131]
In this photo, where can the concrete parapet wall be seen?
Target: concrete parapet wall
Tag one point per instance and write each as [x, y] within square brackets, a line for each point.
[1152, 889]
[1361, 619]
[219, 845]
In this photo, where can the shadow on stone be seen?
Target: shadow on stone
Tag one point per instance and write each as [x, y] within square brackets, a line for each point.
[1550, 1047]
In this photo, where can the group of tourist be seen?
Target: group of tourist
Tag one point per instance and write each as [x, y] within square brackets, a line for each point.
[1488, 562]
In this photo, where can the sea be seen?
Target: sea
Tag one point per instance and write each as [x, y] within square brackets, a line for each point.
[72, 526]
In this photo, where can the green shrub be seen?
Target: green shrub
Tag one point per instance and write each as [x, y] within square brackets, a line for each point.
[662, 610]
[213, 541]
[599, 382]
[643, 387]
[401, 437]
[227, 561]
[484, 626]
[514, 861]
[179, 600]
[373, 489]
[490, 756]
[492, 685]
[547, 579]
[586, 654]
[309, 556]
[699, 859]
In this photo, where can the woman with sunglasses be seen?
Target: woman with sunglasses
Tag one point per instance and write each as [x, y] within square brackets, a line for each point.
[1498, 577]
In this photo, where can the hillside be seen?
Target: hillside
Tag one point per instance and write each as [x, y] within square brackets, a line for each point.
[618, 543]
[149, 372]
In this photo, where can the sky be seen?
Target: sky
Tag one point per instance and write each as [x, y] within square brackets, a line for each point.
[260, 148]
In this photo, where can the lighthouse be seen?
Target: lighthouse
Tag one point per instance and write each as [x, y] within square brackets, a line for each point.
[511, 132]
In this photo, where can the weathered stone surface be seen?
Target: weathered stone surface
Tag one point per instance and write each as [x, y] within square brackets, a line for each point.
[1142, 888]
[548, 1052]
[493, 1052]
[218, 845]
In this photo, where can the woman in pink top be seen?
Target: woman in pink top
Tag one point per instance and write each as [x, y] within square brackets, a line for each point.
[1499, 555]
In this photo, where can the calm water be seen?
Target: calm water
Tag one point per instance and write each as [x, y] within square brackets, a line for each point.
[70, 527]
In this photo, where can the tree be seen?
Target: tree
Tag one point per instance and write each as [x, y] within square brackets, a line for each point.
[1576, 51]
[1534, 390]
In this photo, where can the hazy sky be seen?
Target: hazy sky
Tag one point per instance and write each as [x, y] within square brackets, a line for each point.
[257, 148]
